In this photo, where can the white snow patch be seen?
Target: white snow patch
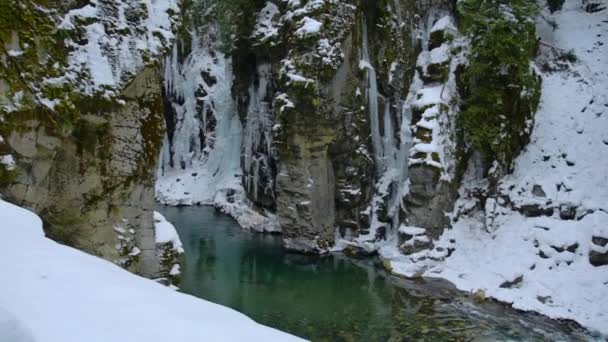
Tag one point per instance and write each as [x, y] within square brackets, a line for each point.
[308, 27]
[265, 27]
[411, 230]
[8, 161]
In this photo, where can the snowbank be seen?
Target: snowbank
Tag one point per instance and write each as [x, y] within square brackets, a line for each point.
[54, 293]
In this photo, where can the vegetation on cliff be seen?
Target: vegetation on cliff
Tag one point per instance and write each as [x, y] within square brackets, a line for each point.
[499, 86]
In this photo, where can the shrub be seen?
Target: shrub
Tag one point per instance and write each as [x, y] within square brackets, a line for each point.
[499, 88]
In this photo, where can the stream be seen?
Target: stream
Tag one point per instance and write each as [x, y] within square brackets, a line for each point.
[335, 298]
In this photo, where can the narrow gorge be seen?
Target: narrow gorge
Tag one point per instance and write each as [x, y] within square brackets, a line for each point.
[461, 140]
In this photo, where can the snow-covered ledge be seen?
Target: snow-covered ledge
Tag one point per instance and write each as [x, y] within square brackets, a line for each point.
[54, 293]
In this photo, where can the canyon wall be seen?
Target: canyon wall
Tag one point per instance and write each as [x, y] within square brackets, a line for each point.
[82, 121]
[326, 93]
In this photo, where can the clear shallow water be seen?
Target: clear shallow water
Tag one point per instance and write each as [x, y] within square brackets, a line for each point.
[335, 298]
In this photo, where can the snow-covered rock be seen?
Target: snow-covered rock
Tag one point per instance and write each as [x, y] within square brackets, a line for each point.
[169, 249]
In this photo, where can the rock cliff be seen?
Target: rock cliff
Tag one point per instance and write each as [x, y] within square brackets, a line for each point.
[82, 120]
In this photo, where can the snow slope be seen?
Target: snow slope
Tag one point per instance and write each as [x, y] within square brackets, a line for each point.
[110, 57]
[542, 263]
[54, 293]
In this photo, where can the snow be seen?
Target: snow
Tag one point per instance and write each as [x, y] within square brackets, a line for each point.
[308, 27]
[429, 96]
[411, 230]
[109, 57]
[440, 55]
[444, 24]
[165, 232]
[135, 251]
[15, 53]
[297, 10]
[265, 29]
[285, 102]
[299, 78]
[541, 263]
[12, 330]
[54, 293]
[175, 270]
[8, 161]
[559, 285]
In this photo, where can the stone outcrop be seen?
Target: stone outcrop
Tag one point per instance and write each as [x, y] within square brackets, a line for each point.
[320, 91]
[84, 141]
[433, 178]
[347, 116]
[94, 186]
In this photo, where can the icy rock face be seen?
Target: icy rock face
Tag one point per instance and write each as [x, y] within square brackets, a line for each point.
[306, 115]
[285, 104]
[322, 89]
[217, 148]
[259, 154]
[84, 124]
[411, 152]
[433, 104]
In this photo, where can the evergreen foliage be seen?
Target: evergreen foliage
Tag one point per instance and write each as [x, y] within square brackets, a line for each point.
[235, 19]
[500, 89]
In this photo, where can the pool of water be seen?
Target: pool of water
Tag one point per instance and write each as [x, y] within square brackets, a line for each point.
[335, 298]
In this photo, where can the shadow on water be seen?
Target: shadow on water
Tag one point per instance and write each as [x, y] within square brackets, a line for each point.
[334, 298]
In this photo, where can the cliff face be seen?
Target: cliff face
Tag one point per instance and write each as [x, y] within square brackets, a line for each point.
[352, 118]
[398, 127]
[318, 119]
[82, 121]
[344, 138]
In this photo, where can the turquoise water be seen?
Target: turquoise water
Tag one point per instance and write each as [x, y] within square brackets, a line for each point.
[334, 298]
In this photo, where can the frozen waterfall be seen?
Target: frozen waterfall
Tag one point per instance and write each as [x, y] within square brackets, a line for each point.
[201, 154]
[372, 100]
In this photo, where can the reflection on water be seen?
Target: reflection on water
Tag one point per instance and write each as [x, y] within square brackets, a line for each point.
[335, 298]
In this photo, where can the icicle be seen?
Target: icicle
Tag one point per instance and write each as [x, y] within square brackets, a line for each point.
[372, 99]
[407, 142]
[258, 127]
[204, 157]
[389, 139]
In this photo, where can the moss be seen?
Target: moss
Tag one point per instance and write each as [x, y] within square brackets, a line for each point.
[236, 19]
[418, 111]
[168, 258]
[435, 157]
[62, 225]
[152, 132]
[438, 72]
[93, 144]
[44, 54]
[437, 39]
[7, 176]
[555, 5]
[425, 135]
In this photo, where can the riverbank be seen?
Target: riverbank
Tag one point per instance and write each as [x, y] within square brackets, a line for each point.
[54, 293]
[334, 297]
